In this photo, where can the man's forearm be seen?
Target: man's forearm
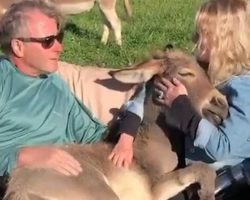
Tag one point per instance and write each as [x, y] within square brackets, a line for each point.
[8, 159]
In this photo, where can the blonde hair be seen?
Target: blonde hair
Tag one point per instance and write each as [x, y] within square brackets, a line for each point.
[224, 26]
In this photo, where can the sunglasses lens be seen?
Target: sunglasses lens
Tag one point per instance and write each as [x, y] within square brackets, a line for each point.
[48, 42]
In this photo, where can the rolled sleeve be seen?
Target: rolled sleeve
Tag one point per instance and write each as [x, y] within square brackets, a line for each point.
[136, 105]
[213, 140]
[231, 140]
[204, 131]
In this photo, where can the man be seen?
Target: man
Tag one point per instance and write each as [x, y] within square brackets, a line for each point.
[38, 112]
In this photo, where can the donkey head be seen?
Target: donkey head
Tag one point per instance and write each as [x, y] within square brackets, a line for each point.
[206, 99]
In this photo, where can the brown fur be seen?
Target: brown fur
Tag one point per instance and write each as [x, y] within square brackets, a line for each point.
[149, 177]
[107, 7]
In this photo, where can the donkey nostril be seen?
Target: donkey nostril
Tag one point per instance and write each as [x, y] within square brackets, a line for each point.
[212, 115]
[219, 101]
[220, 106]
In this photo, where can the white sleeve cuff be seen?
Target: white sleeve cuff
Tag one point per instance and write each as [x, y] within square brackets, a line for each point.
[136, 105]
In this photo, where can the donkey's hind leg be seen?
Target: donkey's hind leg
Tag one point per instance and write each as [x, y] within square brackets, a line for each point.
[112, 20]
[96, 186]
[91, 184]
[154, 152]
[174, 182]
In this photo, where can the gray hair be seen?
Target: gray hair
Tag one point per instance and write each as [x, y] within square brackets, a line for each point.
[15, 19]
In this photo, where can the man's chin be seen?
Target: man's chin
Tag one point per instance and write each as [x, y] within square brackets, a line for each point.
[52, 68]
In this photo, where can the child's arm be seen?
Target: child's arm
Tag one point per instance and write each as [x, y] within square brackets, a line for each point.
[122, 153]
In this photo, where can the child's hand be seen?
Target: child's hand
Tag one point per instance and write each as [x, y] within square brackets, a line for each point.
[122, 153]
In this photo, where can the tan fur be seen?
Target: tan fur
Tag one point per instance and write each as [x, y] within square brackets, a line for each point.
[131, 185]
[107, 7]
[99, 175]
[150, 176]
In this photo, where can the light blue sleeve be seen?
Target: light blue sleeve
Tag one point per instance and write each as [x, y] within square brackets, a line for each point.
[136, 105]
[231, 140]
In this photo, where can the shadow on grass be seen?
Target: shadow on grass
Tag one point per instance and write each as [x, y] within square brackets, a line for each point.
[80, 32]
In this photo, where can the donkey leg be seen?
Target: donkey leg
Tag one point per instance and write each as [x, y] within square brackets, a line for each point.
[153, 151]
[174, 182]
[110, 14]
[91, 184]
[127, 4]
[105, 34]
[97, 187]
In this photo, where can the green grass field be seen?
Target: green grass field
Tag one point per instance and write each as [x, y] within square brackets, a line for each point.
[154, 24]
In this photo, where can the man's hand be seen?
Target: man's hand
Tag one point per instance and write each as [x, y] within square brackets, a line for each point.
[171, 90]
[49, 157]
[122, 153]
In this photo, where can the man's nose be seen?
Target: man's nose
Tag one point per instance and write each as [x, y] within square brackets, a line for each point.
[58, 46]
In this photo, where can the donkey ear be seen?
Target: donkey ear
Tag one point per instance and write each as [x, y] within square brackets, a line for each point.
[140, 73]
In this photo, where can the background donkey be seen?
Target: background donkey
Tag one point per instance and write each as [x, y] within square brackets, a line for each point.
[149, 177]
[107, 7]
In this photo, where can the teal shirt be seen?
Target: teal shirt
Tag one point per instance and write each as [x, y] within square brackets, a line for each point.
[39, 111]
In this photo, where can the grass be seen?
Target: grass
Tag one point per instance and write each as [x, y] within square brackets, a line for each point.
[154, 24]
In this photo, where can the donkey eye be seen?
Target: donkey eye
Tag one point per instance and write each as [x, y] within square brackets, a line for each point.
[186, 72]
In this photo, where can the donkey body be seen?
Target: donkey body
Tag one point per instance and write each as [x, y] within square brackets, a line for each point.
[107, 7]
[151, 176]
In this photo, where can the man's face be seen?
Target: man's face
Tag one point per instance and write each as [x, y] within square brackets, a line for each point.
[39, 58]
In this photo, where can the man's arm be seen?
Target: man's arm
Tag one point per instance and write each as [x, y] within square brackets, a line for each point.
[82, 127]
[8, 157]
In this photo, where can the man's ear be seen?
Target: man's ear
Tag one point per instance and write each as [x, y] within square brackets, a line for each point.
[17, 47]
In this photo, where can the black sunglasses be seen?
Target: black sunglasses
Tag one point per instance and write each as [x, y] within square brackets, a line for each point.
[46, 42]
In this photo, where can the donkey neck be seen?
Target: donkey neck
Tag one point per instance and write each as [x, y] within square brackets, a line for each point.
[151, 109]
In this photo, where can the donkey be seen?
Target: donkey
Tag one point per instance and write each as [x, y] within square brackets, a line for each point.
[107, 7]
[151, 176]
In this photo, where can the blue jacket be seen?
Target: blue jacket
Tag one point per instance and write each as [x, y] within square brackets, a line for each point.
[229, 143]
